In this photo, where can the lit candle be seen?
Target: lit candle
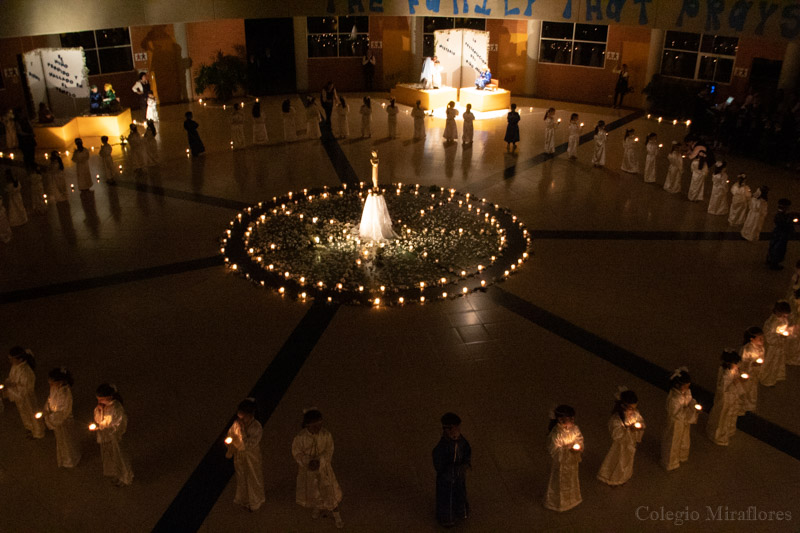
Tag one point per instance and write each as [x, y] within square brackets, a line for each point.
[38, 415]
[2, 386]
[581, 124]
[745, 376]
[559, 121]
[637, 425]
[576, 447]
[636, 139]
[228, 440]
[661, 146]
[698, 407]
[759, 361]
[92, 427]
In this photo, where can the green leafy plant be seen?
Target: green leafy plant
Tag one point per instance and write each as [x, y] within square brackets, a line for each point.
[225, 76]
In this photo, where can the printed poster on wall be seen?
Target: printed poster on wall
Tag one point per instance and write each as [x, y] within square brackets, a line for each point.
[58, 77]
[461, 54]
[34, 72]
[448, 45]
[475, 55]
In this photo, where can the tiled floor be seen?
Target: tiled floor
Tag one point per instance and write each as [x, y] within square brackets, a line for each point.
[620, 268]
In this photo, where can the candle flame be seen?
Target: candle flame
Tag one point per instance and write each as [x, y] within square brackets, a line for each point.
[637, 425]
[745, 376]
[38, 415]
[759, 361]
[92, 427]
[576, 446]
[698, 407]
[228, 440]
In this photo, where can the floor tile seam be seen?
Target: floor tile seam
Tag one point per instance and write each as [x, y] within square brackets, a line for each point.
[198, 496]
[107, 280]
[754, 425]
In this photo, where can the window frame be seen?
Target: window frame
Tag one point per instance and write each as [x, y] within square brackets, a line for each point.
[698, 61]
[337, 36]
[572, 41]
[96, 49]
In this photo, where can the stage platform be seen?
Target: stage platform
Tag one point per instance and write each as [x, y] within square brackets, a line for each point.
[485, 100]
[62, 134]
[409, 93]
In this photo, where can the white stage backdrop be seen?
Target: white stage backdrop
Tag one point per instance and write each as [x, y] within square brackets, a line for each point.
[63, 73]
[460, 53]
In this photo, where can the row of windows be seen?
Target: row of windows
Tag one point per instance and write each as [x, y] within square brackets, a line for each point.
[697, 56]
[337, 36]
[573, 44]
[107, 51]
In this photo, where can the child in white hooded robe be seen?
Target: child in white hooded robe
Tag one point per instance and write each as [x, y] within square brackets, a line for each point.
[468, 130]
[776, 336]
[682, 412]
[419, 120]
[600, 139]
[565, 445]
[697, 185]
[237, 127]
[391, 118]
[651, 146]
[626, 426]
[672, 183]
[752, 354]
[718, 203]
[727, 400]
[740, 200]
[756, 215]
[288, 116]
[574, 137]
[110, 424]
[244, 446]
[342, 123]
[83, 173]
[630, 163]
[57, 416]
[312, 450]
[20, 389]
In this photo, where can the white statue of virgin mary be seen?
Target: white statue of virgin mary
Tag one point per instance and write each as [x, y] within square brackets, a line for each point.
[376, 223]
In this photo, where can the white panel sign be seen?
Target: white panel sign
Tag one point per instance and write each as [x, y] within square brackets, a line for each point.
[35, 75]
[448, 50]
[64, 70]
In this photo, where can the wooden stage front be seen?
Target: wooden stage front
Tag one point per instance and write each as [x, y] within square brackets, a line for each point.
[484, 100]
[63, 133]
[409, 93]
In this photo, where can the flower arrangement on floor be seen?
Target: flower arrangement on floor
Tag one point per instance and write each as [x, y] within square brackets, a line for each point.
[307, 245]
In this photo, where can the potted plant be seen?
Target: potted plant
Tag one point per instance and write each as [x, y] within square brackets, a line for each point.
[225, 76]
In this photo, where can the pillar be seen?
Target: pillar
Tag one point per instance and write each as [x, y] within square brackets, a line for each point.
[653, 59]
[532, 56]
[187, 84]
[790, 69]
[301, 53]
[417, 27]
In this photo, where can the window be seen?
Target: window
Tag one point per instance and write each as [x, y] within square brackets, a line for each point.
[431, 24]
[337, 36]
[573, 44]
[697, 56]
[107, 51]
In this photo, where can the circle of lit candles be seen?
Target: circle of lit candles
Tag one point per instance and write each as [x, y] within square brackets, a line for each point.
[698, 407]
[228, 440]
[759, 361]
[745, 376]
[576, 446]
[38, 415]
[92, 427]
[637, 425]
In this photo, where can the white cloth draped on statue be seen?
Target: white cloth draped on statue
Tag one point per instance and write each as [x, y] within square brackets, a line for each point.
[376, 223]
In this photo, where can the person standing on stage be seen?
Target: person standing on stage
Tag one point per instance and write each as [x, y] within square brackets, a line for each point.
[141, 88]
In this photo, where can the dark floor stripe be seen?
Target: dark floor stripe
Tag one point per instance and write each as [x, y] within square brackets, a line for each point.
[216, 201]
[200, 493]
[110, 279]
[540, 158]
[754, 425]
[648, 235]
[341, 165]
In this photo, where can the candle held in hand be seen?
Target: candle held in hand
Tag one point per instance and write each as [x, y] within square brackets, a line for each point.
[745, 376]
[637, 425]
[228, 440]
[38, 415]
[759, 361]
[92, 427]
[698, 407]
[576, 447]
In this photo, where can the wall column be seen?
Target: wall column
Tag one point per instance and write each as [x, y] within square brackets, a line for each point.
[187, 84]
[417, 27]
[532, 56]
[301, 53]
[790, 70]
[653, 60]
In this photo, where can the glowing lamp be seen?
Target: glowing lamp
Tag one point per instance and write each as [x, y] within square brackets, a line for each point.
[698, 407]
[637, 425]
[759, 361]
[92, 427]
[401, 300]
[38, 415]
[281, 290]
[576, 447]
[228, 440]
[745, 376]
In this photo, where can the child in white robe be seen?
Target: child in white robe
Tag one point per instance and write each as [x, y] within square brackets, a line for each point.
[289, 124]
[366, 117]
[718, 203]
[626, 426]
[550, 131]
[57, 416]
[682, 412]
[237, 127]
[651, 146]
[756, 214]
[450, 128]
[391, 118]
[740, 200]
[150, 144]
[727, 400]
[342, 124]
[259, 125]
[574, 136]
[469, 127]
[673, 181]
[419, 120]
[82, 172]
[565, 446]
[137, 149]
[111, 423]
[20, 389]
[752, 355]
[776, 336]
[57, 183]
[630, 163]
[106, 160]
[600, 138]
[5, 236]
[152, 107]
[38, 204]
[244, 446]
[699, 168]
[17, 216]
[317, 487]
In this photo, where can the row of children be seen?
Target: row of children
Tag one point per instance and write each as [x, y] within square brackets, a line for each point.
[109, 419]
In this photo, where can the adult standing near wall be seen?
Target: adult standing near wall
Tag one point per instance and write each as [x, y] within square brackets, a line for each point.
[368, 66]
[141, 88]
[622, 87]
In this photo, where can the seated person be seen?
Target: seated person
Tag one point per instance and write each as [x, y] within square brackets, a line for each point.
[484, 77]
[45, 116]
[95, 100]
[110, 101]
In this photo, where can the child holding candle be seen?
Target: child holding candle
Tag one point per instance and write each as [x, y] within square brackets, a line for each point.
[651, 145]
[111, 422]
[82, 172]
[450, 128]
[718, 204]
[727, 399]
[342, 125]
[152, 107]
[776, 333]
[600, 138]
[574, 136]
[740, 198]
[366, 117]
[756, 215]
[629, 161]
[105, 158]
[244, 440]
[20, 389]
[550, 131]
[289, 125]
[699, 169]
[237, 127]
[675, 172]
[391, 118]
[57, 186]
[138, 150]
[17, 215]
[752, 360]
[313, 118]
[317, 487]
[469, 127]
[38, 204]
[58, 417]
[626, 426]
[419, 120]
[682, 412]
[565, 445]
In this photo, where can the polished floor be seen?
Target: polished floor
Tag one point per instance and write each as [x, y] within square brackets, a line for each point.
[125, 284]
